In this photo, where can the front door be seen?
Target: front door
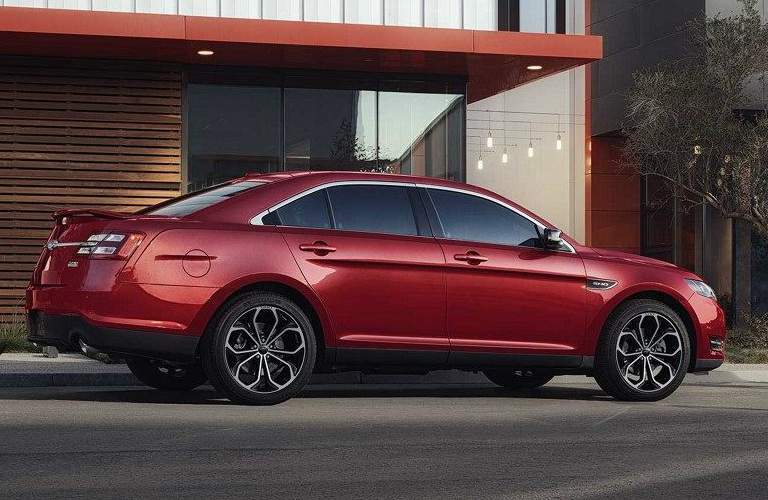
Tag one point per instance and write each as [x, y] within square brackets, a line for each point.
[505, 293]
[365, 252]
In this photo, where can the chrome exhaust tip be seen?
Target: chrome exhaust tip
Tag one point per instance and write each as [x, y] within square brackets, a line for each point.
[86, 349]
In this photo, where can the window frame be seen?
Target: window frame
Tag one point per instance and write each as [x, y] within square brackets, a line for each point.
[420, 217]
[437, 226]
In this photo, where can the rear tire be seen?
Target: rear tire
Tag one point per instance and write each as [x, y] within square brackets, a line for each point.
[643, 353]
[517, 379]
[165, 376]
[261, 349]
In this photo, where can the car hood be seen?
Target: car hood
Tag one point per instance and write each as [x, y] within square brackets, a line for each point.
[629, 257]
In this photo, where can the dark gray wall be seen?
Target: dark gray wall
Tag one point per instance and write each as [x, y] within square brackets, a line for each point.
[636, 34]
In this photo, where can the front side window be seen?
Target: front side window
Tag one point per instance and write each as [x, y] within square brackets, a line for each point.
[373, 209]
[471, 218]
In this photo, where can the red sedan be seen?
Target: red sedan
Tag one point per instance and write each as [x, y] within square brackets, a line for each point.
[257, 283]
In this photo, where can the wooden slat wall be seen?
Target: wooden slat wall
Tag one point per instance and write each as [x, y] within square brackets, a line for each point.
[79, 133]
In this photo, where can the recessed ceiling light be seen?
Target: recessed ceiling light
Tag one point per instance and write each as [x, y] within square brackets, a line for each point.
[534, 67]
[205, 52]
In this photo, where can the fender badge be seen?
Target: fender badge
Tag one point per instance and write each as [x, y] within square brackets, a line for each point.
[73, 263]
[600, 284]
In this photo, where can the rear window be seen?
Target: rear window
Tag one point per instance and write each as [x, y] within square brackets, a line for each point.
[194, 202]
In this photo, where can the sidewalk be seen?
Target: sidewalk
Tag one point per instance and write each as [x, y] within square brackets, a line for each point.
[35, 370]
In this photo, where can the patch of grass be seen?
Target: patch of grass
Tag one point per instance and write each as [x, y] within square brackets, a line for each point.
[734, 354]
[748, 344]
[13, 338]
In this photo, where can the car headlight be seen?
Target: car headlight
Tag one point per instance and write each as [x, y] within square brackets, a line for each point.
[701, 288]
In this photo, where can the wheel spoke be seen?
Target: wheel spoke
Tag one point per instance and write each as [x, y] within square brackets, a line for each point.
[672, 371]
[651, 375]
[673, 333]
[241, 364]
[282, 332]
[289, 365]
[630, 335]
[628, 365]
[669, 354]
[258, 374]
[286, 353]
[239, 353]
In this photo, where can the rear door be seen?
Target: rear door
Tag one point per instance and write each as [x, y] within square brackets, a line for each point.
[505, 293]
[366, 250]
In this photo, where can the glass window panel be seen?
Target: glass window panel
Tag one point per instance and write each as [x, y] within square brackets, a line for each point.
[240, 8]
[443, 13]
[533, 16]
[187, 204]
[373, 209]
[327, 129]
[284, 10]
[326, 11]
[363, 11]
[421, 134]
[481, 15]
[551, 26]
[308, 211]
[232, 130]
[403, 13]
[471, 218]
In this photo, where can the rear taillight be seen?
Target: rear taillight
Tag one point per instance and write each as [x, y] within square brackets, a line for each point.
[110, 245]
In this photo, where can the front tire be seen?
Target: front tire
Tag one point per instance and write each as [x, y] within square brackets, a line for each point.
[517, 379]
[261, 349]
[644, 352]
[166, 376]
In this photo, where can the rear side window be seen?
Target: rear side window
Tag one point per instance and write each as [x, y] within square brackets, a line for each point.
[191, 203]
[308, 211]
[471, 218]
[373, 209]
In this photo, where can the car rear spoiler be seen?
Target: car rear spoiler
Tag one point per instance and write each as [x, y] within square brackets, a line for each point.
[99, 214]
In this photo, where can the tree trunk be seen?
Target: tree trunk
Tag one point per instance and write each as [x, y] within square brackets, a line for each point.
[742, 273]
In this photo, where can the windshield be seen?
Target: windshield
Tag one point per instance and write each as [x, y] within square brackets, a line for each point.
[190, 203]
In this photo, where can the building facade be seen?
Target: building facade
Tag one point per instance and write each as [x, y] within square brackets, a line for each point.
[120, 104]
[625, 211]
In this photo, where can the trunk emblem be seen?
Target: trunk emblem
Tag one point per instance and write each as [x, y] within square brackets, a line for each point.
[72, 263]
[54, 244]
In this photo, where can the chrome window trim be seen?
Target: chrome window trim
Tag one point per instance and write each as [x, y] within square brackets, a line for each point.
[257, 220]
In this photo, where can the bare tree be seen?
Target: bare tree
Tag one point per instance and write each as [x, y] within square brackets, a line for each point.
[693, 123]
[686, 122]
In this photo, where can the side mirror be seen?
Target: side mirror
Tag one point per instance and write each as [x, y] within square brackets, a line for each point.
[551, 238]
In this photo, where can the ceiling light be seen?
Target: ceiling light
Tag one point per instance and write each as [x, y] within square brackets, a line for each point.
[504, 157]
[489, 141]
[480, 162]
[559, 143]
[534, 67]
[530, 149]
[205, 52]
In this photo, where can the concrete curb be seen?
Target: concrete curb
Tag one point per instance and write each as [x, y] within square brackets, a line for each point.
[34, 370]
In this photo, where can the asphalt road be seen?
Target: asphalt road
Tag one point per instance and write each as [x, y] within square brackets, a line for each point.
[384, 442]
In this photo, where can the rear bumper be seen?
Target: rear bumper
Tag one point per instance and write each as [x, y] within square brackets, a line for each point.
[64, 331]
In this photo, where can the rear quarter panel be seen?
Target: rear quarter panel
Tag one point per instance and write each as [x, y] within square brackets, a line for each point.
[188, 273]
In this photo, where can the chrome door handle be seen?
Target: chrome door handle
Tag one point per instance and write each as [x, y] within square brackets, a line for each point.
[318, 247]
[470, 257]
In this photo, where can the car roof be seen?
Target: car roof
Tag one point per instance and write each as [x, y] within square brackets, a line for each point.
[341, 175]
